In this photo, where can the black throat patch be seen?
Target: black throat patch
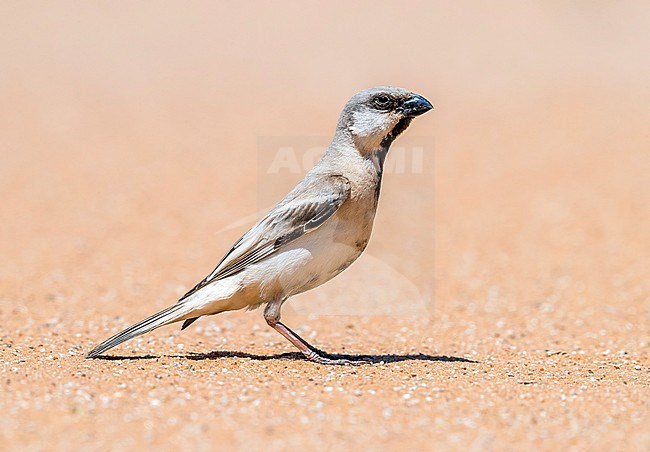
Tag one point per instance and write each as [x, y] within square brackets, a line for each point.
[380, 156]
[400, 127]
[382, 152]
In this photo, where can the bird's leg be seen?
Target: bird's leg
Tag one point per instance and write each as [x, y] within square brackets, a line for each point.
[272, 317]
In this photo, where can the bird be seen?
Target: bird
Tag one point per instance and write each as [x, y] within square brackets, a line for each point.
[310, 236]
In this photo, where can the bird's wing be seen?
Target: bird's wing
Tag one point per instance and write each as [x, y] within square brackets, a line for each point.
[302, 211]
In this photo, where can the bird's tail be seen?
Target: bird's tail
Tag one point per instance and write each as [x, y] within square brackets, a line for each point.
[168, 315]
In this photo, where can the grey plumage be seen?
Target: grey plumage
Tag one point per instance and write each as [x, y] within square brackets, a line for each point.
[310, 236]
[164, 317]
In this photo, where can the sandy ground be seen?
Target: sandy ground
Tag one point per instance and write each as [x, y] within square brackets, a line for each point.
[504, 299]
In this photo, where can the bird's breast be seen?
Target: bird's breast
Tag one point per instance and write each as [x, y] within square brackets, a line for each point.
[320, 255]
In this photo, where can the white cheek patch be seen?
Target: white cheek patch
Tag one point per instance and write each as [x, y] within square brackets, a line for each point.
[367, 123]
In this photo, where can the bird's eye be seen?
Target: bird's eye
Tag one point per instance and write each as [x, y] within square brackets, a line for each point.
[383, 102]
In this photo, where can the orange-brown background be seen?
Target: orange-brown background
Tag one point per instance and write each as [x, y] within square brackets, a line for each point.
[130, 137]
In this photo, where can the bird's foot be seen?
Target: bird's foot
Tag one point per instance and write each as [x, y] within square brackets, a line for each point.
[321, 359]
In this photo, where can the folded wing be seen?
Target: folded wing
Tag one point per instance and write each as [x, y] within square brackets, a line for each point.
[302, 211]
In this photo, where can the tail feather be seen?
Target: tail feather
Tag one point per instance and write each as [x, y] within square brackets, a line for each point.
[188, 322]
[168, 315]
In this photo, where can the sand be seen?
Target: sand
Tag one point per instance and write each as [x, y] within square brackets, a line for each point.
[504, 299]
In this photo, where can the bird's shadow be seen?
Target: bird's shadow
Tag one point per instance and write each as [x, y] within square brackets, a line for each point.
[296, 356]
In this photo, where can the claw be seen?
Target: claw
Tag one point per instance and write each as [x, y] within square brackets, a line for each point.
[320, 359]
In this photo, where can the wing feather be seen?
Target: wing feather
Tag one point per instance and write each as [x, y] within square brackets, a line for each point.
[305, 209]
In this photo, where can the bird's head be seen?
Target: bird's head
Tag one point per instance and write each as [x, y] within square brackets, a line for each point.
[373, 118]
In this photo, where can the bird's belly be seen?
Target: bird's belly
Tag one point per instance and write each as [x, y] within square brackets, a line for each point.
[325, 262]
[310, 261]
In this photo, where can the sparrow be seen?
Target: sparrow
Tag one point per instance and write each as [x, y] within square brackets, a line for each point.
[309, 237]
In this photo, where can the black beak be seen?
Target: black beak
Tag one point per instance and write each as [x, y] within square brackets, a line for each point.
[415, 106]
